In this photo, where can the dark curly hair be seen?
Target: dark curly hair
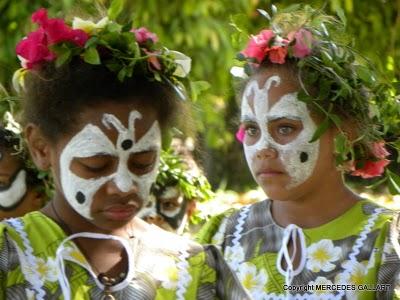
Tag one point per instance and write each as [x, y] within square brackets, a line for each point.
[53, 97]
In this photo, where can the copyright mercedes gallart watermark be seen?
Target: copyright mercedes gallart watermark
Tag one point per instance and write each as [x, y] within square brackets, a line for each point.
[338, 287]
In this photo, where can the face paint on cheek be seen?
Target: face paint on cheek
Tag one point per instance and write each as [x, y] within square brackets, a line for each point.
[299, 156]
[259, 114]
[12, 195]
[91, 141]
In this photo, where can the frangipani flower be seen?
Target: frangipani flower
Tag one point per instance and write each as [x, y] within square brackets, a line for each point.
[234, 256]
[184, 63]
[321, 281]
[320, 256]
[252, 279]
[88, 26]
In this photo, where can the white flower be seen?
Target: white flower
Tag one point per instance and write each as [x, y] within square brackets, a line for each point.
[234, 256]
[89, 26]
[354, 274]
[251, 279]
[47, 269]
[183, 62]
[11, 124]
[321, 281]
[238, 72]
[18, 76]
[321, 255]
[164, 270]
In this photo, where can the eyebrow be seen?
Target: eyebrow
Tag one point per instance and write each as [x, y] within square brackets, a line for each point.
[280, 117]
[247, 118]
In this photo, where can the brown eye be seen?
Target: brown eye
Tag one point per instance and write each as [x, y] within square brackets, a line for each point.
[285, 130]
[251, 130]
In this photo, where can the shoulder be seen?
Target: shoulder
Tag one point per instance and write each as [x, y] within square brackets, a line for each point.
[220, 225]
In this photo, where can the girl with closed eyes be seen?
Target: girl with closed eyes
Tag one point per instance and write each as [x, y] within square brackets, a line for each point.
[98, 97]
[306, 120]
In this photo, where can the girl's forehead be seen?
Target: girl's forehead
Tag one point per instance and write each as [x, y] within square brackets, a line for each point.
[120, 113]
[282, 84]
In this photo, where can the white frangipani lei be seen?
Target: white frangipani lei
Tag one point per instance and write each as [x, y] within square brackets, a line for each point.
[299, 156]
[92, 141]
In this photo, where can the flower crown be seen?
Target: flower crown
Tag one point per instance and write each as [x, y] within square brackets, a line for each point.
[345, 82]
[121, 48]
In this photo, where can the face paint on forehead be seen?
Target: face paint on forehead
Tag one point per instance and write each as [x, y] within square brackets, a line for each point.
[298, 156]
[92, 141]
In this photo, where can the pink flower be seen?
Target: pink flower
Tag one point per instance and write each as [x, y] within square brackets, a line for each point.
[277, 54]
[240, 134]
[379, 150]
[371, 169]
[142, 35]
[303, 42]
[34, 49]
[258, 45]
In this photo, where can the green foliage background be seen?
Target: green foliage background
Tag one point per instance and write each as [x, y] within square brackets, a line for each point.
[203, 30]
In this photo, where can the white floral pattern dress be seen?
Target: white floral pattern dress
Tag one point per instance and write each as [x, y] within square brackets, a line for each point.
[354, 256]
[36, 261]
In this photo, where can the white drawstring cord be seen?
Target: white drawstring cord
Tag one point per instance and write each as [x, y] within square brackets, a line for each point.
[64, 283]
[292, 233]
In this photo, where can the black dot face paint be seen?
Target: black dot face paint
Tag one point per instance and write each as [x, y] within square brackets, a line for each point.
[80, 197]
[303, 157]
[127, 144]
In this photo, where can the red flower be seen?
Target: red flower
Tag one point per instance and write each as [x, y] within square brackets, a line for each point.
[277, 54]
[303, 42]
[258, 45]
[35, 48]
[371, 169]
[142, 35]
[240, 134]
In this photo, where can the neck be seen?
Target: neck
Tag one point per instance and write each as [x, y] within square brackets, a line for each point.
[324, 203]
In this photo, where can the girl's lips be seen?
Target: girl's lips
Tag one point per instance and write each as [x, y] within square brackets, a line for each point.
[269, 173]
[120, 212]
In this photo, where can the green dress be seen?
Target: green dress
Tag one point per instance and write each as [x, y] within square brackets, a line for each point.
[35, 264]
[355, 256]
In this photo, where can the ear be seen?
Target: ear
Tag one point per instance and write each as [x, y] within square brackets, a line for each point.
[39, 146]
[191, 207]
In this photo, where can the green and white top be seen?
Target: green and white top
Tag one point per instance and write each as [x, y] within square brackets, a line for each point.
[355, 256]
[38, 261]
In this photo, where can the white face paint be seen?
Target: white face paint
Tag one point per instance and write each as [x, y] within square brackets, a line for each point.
[10, 196]
[298, 156]
[92, 141]
[172, 193]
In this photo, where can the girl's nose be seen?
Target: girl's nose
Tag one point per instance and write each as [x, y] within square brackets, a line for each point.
[267, 153]
[112, 188]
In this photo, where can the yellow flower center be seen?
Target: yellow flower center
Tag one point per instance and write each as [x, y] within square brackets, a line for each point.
[321, 255]
[248, 281]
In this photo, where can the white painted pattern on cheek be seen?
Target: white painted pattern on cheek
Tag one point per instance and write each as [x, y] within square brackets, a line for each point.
[15, 192]
[289, 154]
[91, 140]
[261, 108]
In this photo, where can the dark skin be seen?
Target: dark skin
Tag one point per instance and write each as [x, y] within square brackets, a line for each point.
[105, 256]
[32, 200]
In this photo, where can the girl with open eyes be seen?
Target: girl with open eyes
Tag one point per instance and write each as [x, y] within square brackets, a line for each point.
[98, 97]
[306, 118]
